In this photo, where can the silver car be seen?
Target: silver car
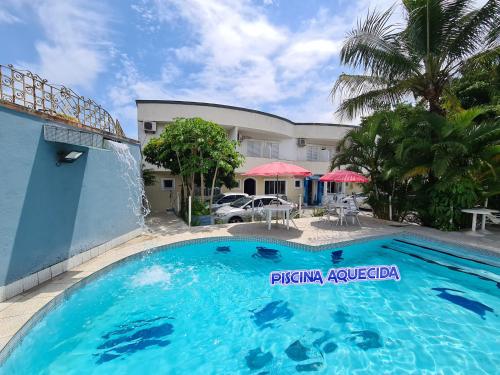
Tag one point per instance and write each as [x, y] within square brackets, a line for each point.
[241, 210]
[225, 199]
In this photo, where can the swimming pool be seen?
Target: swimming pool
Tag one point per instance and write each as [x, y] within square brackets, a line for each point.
[209, 308]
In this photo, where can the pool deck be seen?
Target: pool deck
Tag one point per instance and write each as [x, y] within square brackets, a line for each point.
[167, 229]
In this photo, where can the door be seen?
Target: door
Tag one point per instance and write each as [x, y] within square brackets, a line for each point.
[249, 186]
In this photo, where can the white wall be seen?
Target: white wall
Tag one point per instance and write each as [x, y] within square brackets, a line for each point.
[249, 125]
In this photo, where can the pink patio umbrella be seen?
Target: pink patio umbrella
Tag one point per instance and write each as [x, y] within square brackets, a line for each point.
[278, 169]
[343, 176]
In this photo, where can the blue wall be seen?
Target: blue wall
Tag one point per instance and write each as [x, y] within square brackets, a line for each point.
[49, 213]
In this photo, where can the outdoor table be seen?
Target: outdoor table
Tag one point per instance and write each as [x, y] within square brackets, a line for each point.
[479, 211]
[284, 208]
[342, 207]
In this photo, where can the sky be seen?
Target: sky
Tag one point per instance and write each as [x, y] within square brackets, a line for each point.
[277, 56]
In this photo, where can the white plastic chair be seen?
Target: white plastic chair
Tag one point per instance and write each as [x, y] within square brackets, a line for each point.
[352, 210]
[494, 218]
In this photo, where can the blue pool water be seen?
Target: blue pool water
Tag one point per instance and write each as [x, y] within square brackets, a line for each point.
[209, 309]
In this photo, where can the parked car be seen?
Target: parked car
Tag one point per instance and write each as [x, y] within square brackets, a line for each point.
[241, 210]
[362, 201]
[224, 199]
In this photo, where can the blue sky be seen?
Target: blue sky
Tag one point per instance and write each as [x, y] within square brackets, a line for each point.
[279, 56]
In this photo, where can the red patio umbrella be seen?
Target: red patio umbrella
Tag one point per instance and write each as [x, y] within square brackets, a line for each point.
[343, 176]
[278, 169]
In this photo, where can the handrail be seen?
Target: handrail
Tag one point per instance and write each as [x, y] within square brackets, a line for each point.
[28, 90]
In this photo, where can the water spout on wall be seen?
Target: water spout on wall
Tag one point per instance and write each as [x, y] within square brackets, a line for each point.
[131, 174]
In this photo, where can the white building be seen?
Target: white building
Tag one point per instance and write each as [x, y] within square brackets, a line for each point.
[263, 138]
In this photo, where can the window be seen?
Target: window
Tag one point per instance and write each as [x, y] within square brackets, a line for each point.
[237, 184]
[260, 149]
[254, 148]
[167, 184]
[330, 187]
[275, 187]
[230, 198]
[271, 150]
[227, 199]
[298, 184]
[313, 153]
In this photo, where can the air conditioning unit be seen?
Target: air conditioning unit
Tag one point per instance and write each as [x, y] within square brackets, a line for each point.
[301, 142]
[149, 126]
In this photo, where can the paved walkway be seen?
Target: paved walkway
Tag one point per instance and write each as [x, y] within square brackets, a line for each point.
[167, 228]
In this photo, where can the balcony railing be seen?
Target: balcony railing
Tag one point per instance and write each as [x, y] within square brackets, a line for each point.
[32, 92]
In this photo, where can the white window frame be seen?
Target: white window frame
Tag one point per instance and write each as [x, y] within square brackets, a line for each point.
[263, 149]
[295, 184]
[162, 186]
[271, 180]
[330, 187]
[252, 145]
[313, 150]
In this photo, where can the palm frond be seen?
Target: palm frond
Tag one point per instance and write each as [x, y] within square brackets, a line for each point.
[372, 99]
[373, 46]
[474, 28]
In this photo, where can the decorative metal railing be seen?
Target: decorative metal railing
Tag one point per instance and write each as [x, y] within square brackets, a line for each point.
[30, 91]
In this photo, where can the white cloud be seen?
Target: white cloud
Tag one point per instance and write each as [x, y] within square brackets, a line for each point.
[245, 59]
[74, 47]
[8, 18]
[238, 56]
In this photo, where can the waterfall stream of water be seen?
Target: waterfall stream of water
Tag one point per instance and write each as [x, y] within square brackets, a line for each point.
[131, 175]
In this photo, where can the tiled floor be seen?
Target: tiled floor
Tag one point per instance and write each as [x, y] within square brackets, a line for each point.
[166, 229]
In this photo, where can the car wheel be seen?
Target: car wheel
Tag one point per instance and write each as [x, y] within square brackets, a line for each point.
[235, 219]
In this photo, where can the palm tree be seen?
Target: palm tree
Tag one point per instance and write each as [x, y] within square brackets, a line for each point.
[438, 148]
[419, 59]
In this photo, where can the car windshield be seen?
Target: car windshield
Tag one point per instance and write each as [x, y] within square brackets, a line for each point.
[217, 197]
[241, 202]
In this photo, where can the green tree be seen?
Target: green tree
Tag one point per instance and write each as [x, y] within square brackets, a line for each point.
[194, 147]
[370, 149]
[478, 84]
[438, 39]
[431, 165]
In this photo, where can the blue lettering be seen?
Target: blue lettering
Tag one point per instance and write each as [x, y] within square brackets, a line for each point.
[370, 273]
[354, 275]
[332, 276]
[275, 278]
[318, 277]
[362, 273]
[294, 279]
[308, 276]
[384, 272]
[394, 273]
[342, 275]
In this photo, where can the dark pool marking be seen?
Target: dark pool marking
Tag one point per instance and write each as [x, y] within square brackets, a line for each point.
[131, 326]
[223, 249]
[272, 311]
[330, 347]
[337, 256]
[453, 268]
[130, 344]
[440, 251]
[297, 352]
[267, 253]
[341, 316]
[256, 359]
[315, 366]
[370, 339]
[469, 304]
